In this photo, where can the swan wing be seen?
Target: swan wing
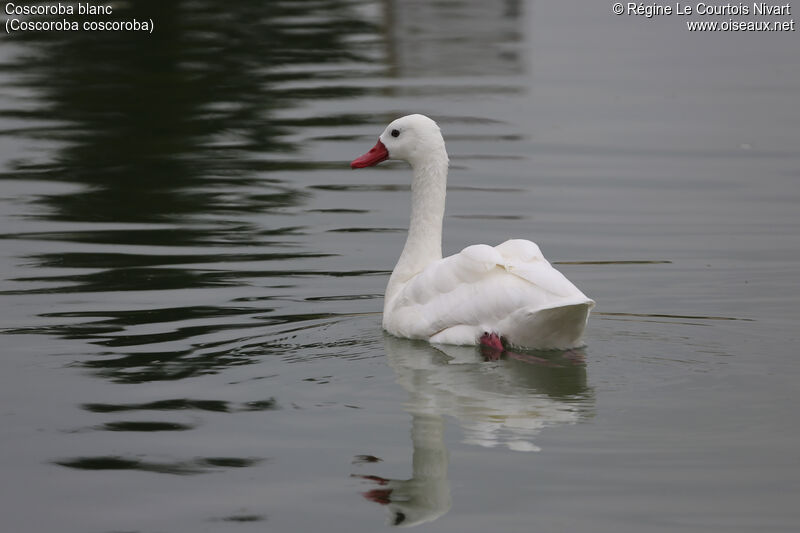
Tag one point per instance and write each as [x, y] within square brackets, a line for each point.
[478, 289]
[524, 259]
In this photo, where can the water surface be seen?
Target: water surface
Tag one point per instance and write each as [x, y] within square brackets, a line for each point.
[192, 276]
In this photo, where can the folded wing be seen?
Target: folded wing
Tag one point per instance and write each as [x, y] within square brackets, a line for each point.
[477, 290]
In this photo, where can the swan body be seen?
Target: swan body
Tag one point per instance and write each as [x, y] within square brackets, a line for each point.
[509, 290]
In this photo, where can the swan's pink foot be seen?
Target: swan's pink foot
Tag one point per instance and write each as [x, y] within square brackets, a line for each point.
[492, 341]
[491, 346]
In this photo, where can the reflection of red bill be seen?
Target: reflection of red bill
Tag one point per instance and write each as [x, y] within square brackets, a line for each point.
[375, 155]
[381, 496]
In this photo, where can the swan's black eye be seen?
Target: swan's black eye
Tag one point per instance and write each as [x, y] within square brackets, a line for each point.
[395, 133]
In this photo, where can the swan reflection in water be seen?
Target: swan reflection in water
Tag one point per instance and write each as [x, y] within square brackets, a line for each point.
[497, 403]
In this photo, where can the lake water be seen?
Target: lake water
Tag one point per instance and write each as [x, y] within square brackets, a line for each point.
[192, 276]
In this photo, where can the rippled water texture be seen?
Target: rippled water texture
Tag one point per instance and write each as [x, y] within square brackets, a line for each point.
[192, 276]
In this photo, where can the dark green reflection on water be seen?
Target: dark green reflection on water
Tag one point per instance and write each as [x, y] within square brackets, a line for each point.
[160, 127]
[197, 466]
[147, 119]
[215, 406]
[169, 142]
[171, 131]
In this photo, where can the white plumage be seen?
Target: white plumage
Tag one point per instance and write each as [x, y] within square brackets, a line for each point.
[510, 290]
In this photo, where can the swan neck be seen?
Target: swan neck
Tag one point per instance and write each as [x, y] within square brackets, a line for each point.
[424, 242]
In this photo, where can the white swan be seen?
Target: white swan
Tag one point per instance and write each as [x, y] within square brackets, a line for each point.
[501, 296]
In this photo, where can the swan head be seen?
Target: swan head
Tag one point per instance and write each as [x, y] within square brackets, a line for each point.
[413, 138]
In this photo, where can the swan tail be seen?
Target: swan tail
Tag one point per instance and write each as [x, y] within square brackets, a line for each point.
[552, 328]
